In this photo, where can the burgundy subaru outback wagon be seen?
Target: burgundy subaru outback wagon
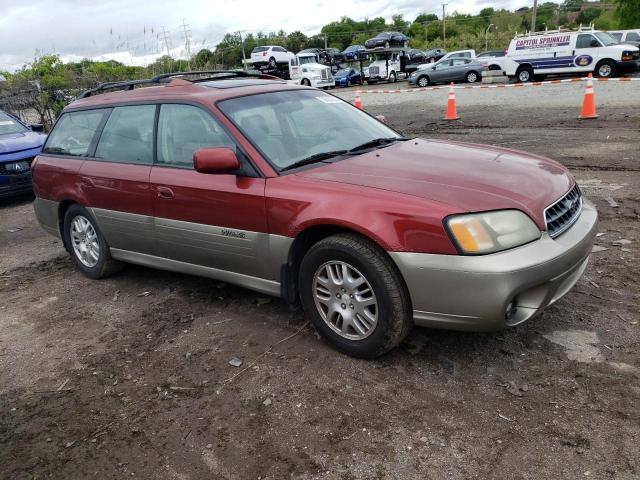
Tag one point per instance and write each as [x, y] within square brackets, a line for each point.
[293, 192]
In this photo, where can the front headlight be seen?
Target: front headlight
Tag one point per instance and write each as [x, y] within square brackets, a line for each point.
[414, 74]
[489, 232]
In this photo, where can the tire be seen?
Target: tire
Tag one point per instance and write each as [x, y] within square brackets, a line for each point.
[524, 74]
[423, 81]
[381, 326]
[272, 62]
[495, 67]
[305, 82]
[605, 69]
[92, 257]
[392, 77]
[472, 77]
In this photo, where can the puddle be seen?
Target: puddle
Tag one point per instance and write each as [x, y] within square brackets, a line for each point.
[580, 345]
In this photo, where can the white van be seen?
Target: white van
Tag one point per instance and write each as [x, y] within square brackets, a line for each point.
[630, 37]
[563, 51]
[304, 69]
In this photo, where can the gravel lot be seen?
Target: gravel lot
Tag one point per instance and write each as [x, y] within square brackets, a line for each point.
[130, 376]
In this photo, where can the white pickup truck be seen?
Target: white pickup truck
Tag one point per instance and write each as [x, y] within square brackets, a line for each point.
[304, 69]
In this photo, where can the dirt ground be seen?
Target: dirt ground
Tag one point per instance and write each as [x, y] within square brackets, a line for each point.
[130, 376]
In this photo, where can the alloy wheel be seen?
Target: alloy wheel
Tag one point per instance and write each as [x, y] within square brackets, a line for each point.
[345, 300]
[604, 70]
[85, 241]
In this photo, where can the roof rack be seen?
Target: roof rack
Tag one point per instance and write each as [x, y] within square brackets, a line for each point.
[203, 75]
[581, 28]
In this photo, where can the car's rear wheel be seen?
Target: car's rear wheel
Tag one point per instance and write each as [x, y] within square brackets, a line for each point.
[87, 246]
[272, 62]
[606, 69]
[354, 296]
[305, 82]
[471, 77]
[524, 74]
[423, 81]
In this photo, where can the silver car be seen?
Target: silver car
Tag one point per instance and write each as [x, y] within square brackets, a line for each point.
[450, 70]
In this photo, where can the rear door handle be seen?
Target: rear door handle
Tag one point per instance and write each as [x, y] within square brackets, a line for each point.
[165, 192]
[87, 181]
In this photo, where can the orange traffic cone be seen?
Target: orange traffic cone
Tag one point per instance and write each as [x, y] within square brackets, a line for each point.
[452, 112]
[358, 100]
[589, 103]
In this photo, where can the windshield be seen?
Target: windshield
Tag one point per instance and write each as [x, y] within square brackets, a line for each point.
[304, 60]
[8, 124]
[606, 38]
[293, 125]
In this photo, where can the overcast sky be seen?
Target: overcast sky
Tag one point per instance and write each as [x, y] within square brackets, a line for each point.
[131, 29]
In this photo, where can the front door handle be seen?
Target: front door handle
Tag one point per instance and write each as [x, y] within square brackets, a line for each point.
[165, 192]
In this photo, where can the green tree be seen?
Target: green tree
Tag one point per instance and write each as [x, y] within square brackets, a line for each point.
[628, 12]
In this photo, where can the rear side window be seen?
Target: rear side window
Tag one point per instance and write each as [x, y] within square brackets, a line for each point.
[128, 135]
[183, 129]
[74, 132]
[633, 37]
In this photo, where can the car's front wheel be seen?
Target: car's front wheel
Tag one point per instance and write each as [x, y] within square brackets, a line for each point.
[423, 81]
[87, 246]
[354, 296]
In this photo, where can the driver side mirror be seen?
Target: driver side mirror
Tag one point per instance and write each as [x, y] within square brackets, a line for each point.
[433, 68]
[215, 160]
[595, 43]
[37, 127]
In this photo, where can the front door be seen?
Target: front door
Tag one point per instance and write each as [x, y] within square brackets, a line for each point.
[210, 220]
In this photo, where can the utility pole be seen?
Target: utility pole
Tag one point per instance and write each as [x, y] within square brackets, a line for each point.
[325, 41]
[165, 36]
[187, 42]
[486, 36]
[533, 16]
[244, 58]
[444, 30]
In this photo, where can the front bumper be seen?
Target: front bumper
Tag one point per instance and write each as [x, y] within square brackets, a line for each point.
[323, 83]
[474, 292]
[15, 184]
[628, 66]
[413, 80]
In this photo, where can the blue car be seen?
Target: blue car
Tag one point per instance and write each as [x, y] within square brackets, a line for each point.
[351, 53]
[347, 77]
[19, 144]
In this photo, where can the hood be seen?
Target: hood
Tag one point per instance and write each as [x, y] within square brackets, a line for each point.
[467, 178]
[15, 142]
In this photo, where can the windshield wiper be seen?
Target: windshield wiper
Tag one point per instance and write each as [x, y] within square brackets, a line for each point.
[316, 157]
[377, 142]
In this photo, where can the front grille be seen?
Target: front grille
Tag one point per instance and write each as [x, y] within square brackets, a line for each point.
[4, 171]
[374, 70]
[562, 214]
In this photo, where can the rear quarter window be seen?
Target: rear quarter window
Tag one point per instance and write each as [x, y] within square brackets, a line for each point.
[74, 133]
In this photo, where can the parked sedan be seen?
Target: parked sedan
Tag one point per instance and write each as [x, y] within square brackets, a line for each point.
[335, 55]
[388, 40]
[352, 52]
[19, 144]
[433, 55]
[451, 70]
[347, 77]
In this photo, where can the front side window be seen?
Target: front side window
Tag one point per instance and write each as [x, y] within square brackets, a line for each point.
[585, 40]
[73, 133]
[128, 135]
[291, 126]
[183, 129]
[8, 125]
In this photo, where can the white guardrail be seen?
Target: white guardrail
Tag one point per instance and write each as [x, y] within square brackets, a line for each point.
[504, 85]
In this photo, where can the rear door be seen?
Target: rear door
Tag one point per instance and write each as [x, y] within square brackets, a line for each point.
[211, 220]
[116, 180]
